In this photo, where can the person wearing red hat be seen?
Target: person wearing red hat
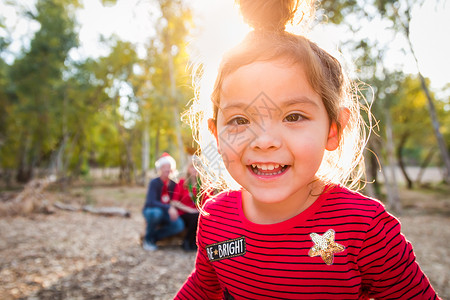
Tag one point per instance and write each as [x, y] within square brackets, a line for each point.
[161, 217]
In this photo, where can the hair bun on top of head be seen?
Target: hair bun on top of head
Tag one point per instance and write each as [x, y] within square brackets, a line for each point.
[270, 15]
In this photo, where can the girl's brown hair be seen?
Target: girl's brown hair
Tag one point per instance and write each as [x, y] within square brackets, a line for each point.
[269, 41]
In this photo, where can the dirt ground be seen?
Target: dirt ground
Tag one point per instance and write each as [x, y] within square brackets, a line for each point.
[78, 255]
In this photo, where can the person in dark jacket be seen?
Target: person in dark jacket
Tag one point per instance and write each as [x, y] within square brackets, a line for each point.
[162, 218]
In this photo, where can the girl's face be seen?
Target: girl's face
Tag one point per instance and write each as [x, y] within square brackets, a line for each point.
[272, 130]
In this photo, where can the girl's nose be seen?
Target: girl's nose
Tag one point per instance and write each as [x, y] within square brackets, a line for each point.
[266, 140]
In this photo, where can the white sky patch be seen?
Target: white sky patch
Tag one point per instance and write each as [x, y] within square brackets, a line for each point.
[130, 20]
[19, 29]
[430, 31]
[220, 27]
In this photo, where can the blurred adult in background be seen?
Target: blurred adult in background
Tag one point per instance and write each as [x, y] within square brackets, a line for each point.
[185, 199]
[162, 218]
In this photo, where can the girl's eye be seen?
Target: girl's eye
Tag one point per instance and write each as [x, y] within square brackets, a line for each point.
[238, 121]
[295, 117]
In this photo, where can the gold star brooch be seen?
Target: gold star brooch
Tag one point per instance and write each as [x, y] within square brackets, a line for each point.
[325, 246]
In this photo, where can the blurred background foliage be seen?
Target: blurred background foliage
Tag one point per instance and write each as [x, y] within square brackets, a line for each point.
[65, 116]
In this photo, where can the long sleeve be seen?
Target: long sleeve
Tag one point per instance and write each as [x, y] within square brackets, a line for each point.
[388, 265]
[202, 283]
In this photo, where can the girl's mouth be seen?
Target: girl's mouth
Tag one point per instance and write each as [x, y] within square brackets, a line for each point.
[268, 169]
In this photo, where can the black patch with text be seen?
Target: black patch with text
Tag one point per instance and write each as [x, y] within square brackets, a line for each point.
[226, 249]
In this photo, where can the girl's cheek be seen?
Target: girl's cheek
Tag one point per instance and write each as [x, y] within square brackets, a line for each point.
[235, 137]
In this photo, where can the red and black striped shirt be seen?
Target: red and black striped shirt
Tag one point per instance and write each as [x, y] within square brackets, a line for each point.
[238, 259]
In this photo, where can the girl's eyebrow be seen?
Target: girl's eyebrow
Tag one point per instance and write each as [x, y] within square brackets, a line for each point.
[238, 105]
[300, 100]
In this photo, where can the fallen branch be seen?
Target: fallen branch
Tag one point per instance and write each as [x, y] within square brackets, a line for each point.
[64, 206]
[107, 211]
[104, 211]
[29, 200]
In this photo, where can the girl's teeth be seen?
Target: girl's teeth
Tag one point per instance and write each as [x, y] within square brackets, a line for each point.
[265, 167]
[258, 172]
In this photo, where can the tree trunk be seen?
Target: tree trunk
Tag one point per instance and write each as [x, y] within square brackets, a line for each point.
[424, 165]
[375, 165]
[401, 164]
[157, 138]
[145, 150]
[127, 168]
[56, 165]
[375, 170]
[370, 176]
[61, 165]
[176, 113]
[23, 173]
[432, 110]
[391, 184]
[130, 162]
[437, 132]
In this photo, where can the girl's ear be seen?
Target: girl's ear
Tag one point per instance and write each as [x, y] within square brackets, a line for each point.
[212, 127]
[333, 135]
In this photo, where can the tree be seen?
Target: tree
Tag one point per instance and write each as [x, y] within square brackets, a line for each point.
[164, 84]
[173, 30]
[414, 131]
[399, 12]
[402, 17]
[36, 78]
[4, 99]
[381, 97]
[66, 116]
[116, 73]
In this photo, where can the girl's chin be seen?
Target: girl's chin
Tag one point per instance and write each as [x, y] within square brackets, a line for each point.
[266, 196]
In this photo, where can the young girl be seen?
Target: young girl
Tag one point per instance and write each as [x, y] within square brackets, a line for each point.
[288, 132]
